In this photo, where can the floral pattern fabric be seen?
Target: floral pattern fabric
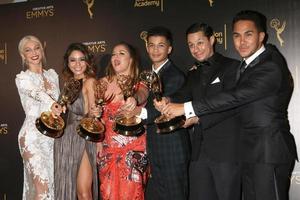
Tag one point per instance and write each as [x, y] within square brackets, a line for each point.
[122, 162]
[35, 148]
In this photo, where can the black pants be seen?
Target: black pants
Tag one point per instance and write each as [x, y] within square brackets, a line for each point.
[211, 180]
[266, 181]
[168, 183]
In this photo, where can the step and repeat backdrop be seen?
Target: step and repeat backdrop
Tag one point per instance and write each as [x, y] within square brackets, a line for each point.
[102, 23]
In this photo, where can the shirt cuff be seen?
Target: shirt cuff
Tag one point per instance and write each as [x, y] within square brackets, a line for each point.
[143, 114]
[189, 110]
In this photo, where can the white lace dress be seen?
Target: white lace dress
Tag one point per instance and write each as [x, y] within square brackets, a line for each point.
[35, 148]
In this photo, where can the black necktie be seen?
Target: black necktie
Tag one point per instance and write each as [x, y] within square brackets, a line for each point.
[241, 70]
[243, 67]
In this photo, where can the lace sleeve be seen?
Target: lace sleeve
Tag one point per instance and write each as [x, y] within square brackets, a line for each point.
[54, 77]
[28, 88]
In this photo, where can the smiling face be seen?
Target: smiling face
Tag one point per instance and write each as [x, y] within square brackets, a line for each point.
[201, 47]
[32, 54]
[77, 64]
[246, 38]
[158, 49]
[121, 60]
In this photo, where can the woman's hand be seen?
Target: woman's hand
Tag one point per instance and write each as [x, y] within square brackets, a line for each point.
[56, 109]
[95, 111]
[135, 112]
[129, 105]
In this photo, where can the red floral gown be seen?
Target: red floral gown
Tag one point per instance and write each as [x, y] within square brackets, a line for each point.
[120, 178]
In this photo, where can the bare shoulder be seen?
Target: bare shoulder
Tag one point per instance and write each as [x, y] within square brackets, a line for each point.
[103, 79]
[89, 82]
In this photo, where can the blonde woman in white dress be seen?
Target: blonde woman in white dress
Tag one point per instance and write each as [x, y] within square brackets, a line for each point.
[38, 89]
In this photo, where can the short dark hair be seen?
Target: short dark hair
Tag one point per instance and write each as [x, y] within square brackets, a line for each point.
[200, 27]
[258, 18]
[160, 31]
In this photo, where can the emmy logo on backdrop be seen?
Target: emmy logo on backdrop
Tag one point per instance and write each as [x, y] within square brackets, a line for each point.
[91, 128]
[164, 124]
[275, 23]
[143, 36]
[90, 4]
[127, 125]
[53, 127]
[210, 3]
[3, 129]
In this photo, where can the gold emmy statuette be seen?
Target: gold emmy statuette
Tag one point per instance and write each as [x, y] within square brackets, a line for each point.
[164, 124]
[91, 128]
[124, 125]
[275, 23]
[53, 127]
[90, 4]
[143, 36]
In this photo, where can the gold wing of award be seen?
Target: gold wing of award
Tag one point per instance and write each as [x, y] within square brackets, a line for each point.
[125, 125]
[91, 128]
[53, 127]
[163, 123]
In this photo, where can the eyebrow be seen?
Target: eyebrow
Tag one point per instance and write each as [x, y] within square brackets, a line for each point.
[237, 33]
[120, 51]
[71, 57]
[33, 47]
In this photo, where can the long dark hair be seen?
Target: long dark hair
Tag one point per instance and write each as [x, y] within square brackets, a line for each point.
[89, 59]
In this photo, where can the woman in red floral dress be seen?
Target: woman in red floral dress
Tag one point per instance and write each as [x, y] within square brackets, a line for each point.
[122, 159]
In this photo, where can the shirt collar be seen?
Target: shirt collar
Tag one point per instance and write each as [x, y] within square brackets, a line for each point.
[161, 66]
[255, 55]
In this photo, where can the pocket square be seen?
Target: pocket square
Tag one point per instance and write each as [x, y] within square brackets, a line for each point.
[217, 80]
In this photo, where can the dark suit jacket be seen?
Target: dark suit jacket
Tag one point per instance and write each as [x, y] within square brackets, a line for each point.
[168, 148]
[263, 93]
[217, 134]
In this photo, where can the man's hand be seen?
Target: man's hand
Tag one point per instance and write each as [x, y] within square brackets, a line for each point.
[159, 105]
[173, 109]
[191, 121]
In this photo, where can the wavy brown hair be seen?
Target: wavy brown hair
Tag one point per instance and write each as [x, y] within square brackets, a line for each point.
[89, 60]
[134, 67]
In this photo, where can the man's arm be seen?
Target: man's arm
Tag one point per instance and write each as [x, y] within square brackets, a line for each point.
[263, 82]
[185, 92]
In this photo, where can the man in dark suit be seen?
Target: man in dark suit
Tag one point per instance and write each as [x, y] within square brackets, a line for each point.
[168, 153]
[214, 171]
[263, 91]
